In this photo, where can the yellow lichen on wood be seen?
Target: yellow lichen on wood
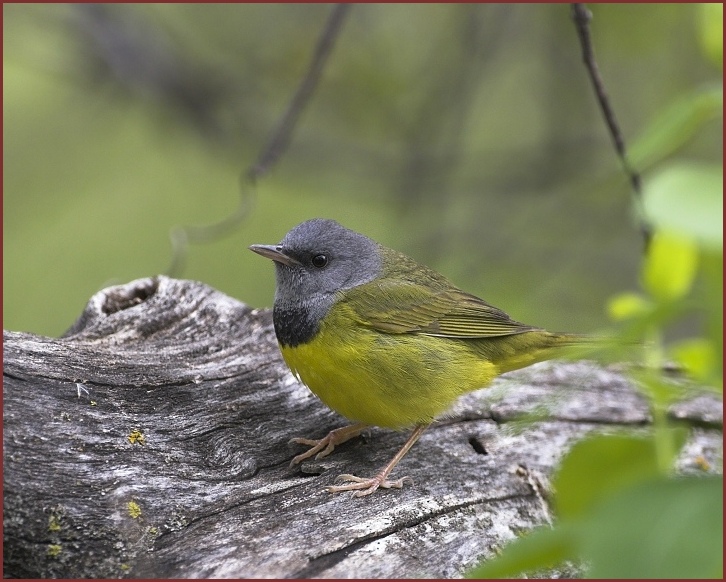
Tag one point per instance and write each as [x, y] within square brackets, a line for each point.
[54, 523]
[134, 509]
[136, 436]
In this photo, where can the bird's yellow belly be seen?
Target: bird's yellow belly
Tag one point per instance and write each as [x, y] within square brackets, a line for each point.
[388, 380]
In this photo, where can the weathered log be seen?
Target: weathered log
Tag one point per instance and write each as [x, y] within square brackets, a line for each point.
[152, 440]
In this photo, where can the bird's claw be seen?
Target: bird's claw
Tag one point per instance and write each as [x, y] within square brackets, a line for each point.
[362, 487]
[323, 447]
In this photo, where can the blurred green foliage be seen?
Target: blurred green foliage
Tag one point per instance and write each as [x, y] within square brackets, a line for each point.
[465, 135]
[622, 513]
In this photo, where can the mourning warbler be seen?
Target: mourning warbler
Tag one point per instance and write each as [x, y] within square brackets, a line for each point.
[384, 340]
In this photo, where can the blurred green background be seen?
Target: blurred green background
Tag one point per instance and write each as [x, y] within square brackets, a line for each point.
[467, 136]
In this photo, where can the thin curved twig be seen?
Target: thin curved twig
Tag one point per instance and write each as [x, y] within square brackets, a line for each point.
[582, 16]
[181, 236]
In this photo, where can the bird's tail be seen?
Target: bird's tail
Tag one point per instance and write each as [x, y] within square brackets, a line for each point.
[537, 346]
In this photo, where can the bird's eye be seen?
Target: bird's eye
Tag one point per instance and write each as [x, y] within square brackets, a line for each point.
[320, 261]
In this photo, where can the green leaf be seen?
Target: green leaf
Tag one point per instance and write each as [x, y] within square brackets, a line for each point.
[597, 466]
[687, 198]
[670, 266]
[699, 357]
[712, 269]
[676, 125]
[663, 528]
[660, 390]
[539, 549]
[628, 305]
[710, 24]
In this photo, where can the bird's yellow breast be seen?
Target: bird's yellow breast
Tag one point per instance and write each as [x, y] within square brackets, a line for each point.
[388, 380]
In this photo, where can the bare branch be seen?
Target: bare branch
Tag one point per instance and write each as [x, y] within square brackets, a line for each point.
[281, 137]
[582, 16]
[182, 236]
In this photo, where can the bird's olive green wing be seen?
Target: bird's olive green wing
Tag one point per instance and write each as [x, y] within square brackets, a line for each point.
[400, 306]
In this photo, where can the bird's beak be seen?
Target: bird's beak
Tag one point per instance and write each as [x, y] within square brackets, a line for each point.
[275, 253]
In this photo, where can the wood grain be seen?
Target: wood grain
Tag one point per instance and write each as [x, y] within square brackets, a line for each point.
[152, 441]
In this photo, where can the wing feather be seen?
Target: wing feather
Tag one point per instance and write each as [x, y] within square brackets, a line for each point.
[401, 306]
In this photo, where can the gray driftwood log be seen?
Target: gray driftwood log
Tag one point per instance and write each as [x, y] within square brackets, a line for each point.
[152, 441]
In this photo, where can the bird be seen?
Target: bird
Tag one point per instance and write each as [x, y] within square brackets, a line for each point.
[384, 340]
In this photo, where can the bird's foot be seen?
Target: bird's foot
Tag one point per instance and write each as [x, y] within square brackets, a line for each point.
[324, 446]
[363, 487]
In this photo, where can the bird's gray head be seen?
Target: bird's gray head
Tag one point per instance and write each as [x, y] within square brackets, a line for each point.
[320, 257]
[315, 260]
